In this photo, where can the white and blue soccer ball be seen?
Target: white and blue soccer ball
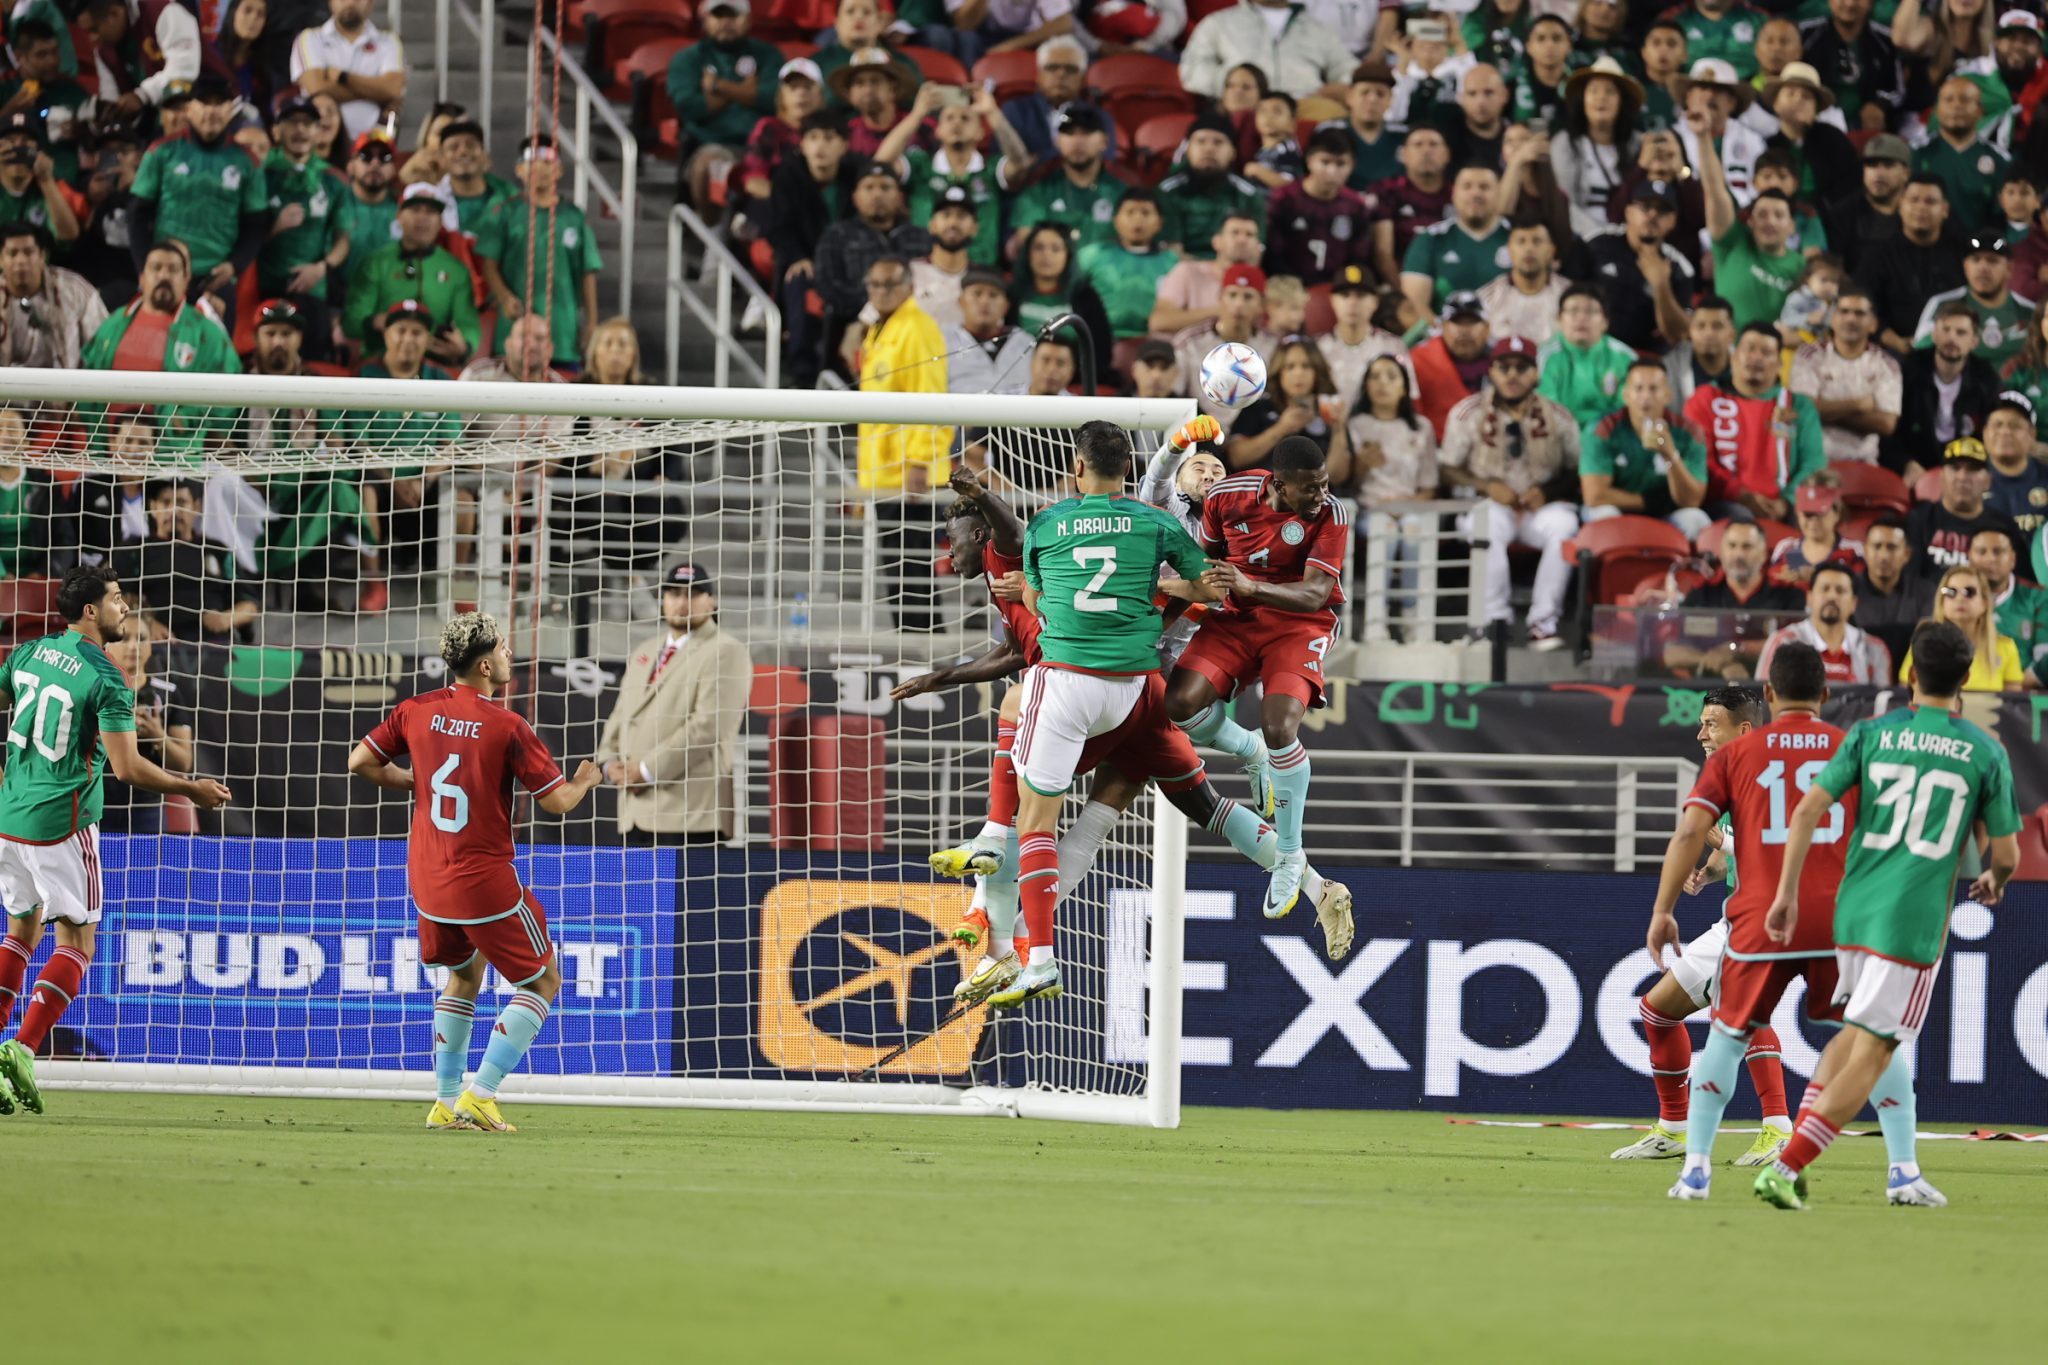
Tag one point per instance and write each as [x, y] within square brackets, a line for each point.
[1233, 375]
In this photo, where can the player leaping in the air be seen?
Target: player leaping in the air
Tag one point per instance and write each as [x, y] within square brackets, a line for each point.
[1687, 985]
[74, 717]
[1282, 538]
[466, 749]
[1924, 778]
[1755, 777]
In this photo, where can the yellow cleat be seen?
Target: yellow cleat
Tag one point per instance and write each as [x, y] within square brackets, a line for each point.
[1333, 912]
[967, 860]
[1769, 1142]
[482, 1113]
[442, 1119]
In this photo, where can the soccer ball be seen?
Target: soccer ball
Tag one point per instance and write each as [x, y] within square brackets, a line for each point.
[1233, 375]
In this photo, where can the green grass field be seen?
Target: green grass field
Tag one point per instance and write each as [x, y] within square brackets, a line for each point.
[229, 1230]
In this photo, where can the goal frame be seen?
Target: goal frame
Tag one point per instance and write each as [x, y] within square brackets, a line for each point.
[1157, 1105]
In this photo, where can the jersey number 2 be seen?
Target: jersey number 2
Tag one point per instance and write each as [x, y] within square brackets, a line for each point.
[46, 718]
[1772, 780]
[456, 816]
[1105, 556]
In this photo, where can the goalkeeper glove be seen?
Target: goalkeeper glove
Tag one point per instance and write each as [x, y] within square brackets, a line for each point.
[1193, 432]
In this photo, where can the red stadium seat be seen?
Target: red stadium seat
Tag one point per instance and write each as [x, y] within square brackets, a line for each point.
[1162, 134]
[1617, 555]
[942, 67]
[1128, 72]
[1015, 73]
[795, 48]
[1928, 488]
[1321, 319]
[1198, 10]
[643, 76]
[1871, 488]
[1709, 541]
[1134, 108]
[616, 30]
[1125, 354]
[1139, 167]
[28, 607]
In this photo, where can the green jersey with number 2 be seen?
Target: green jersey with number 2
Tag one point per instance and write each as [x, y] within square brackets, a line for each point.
[1925, 777]
[1094, 562]
[67, 693]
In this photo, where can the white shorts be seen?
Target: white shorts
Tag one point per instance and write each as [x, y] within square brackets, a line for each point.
[1888, 998]
[1695, 968]
[62, 880]
[1062, 711]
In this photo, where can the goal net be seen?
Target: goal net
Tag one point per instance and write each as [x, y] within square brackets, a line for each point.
[757, 926]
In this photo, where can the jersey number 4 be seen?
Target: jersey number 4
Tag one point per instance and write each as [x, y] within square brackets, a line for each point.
[42, 715]
[1772, 780]
[450, 807]
[1103, 556]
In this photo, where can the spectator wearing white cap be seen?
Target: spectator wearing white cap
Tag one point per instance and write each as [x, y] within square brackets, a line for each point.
[416, 267]
[721, 86]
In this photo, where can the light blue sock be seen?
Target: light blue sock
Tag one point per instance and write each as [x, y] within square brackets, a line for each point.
[1713, 1082]
[1212, 726]
[1258, 841]
[1898, 1111]
[999, 899]
[518, 1024]
[1290, 794]
[453, 1019]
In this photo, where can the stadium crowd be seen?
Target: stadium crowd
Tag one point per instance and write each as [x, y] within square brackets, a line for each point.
[1712, 265]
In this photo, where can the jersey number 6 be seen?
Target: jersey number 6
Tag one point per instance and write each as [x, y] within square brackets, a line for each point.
[456, 817]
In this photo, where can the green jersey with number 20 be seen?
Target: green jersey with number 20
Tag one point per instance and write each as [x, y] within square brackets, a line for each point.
[1926, 778]
[1094, 562]
[67, 693]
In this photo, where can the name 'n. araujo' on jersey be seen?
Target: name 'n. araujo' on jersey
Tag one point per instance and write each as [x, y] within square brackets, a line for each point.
[1926, 778]
[1094, 562]
[67, 693]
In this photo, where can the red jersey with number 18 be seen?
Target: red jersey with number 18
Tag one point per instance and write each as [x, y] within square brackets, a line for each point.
[1761, 777]
[466, 750]
[1272, 544]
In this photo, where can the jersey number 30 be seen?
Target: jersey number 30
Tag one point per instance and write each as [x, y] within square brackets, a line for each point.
[46, 718]
[1103, 556]
[1909, 795]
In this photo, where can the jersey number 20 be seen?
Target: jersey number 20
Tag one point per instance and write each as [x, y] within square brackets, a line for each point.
[1104, 556]
[46, 718]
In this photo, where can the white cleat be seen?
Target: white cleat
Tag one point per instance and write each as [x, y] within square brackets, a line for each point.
[1659, 1144]
[1333, 912]
[1694, 1184]
[1284, 889]
[993, 975]
[1258, 770]
[1912, 1191]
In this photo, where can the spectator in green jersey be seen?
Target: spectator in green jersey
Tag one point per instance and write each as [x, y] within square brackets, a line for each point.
[720, 86]
[961, 126]
[1203, 190]
[555, 269]
[306, 244]
[1583, 367]
[369, 215]
[417, 267]
[40, 87]
[1125, 274]
[1077, 192]
[204, 190]
[470, 182]
[30, 191]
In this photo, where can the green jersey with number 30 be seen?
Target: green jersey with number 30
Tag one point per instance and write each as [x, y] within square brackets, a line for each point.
[1094, 562]
[67, 693]
[1926, 778]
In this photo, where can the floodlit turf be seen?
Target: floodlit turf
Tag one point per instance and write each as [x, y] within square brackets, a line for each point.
[225, 1230]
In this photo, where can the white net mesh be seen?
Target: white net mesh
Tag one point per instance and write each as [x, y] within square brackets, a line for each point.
[761, 915]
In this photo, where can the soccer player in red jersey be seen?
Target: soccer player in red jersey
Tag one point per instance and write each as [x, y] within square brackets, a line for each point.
[1282, 538]
[466, 749]
[1758, 778]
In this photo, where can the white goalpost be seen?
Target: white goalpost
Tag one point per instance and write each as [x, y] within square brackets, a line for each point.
[295, 543]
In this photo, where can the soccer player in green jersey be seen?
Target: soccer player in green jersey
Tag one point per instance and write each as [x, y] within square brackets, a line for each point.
[1091, 565]
[1926, 778]
[74, 717]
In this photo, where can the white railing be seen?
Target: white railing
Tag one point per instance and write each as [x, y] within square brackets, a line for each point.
[1423, 530]
[724, 270]
[622, 202]
[482, 24]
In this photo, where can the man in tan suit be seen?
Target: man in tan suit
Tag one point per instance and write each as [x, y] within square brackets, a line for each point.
[669, 742]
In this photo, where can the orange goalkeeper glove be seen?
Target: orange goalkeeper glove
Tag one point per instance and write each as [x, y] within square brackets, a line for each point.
[1194, 431]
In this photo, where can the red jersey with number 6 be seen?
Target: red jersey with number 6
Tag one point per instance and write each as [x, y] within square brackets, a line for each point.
[465, 751]
[1761, 777]
[1271, 544]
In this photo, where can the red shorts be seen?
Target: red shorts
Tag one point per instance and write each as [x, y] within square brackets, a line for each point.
[1746, 991]
[1147, 747]
[515, 943]
[1282, 649]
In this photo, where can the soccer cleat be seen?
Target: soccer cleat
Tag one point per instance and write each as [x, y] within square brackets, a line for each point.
[1769, 1142]
[442, 1119]
[6, 1098]
[1659, 1144]
[1333, 912]
[1284, 889]
[973, 927]
[1694, 1184]
[1774, 1189]
[1032, 983]
[971, 859]
[1258, 770]
[991, 977]
[482, 1113]
[1912, 1191]
[18, 1071]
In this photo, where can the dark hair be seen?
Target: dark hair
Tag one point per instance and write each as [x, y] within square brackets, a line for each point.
[29, 30]
[1329, 142]
[1942, 657]
[1741, 704]
[21, 227]
[1665, 22]
[899, 262]
[1258, 77]
[1584, 289]
[1527, 223]
[1403, 410]
[2014, 174]
[1927, 178]
[1021, 282]
[822, 121]
[1244, 217]
[1646, 362]
[1414, 130]
[2011, 543]
[1798, 673]
[1065, 343]
[1139, 194]
[1781, 158]
[1281, 95]
[1956, 308]
[1852, 290]
[1762, 329]
[966, 509]
[1105, 448]
[1779, 195]
[1833, 566]
[1298, 455]
[1890, 521]
[1713, 303]
[102, 6]
[83, 587]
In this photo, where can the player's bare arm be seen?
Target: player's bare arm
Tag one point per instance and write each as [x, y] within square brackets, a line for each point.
[1989, 888]
[562, 799]
[1680, 857]
[1000, 662]
[368, 764]
[1311, 593]
[1783, 917]
[128, 764]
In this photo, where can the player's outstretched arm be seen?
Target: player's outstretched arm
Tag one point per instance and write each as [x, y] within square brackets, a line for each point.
[368, 764]
[1806, 817]
[1680, 855]
[1006, 532]
[1312, 593]
[999, 662]
[128, 763]
[562, 799]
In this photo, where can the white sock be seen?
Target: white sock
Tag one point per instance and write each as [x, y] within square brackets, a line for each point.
[1082, 842]
[1908, 1169]
[1312, 884]
[992, 833]
[1779, 1122]
[1041, 955]
[983, 965]
[1699, 1161]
